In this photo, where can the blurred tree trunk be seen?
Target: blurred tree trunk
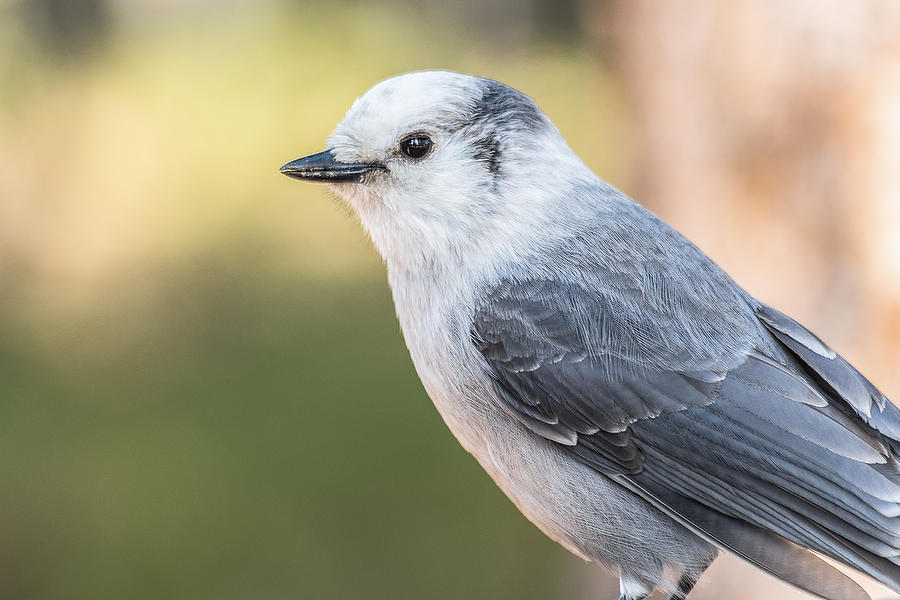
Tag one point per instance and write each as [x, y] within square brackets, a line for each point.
[69, 28]
[769, 133]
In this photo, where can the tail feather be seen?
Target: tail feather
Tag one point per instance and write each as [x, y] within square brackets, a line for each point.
[770, 552]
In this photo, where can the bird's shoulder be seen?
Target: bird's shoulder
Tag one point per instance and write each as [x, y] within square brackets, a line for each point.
[617, 320]
[618, 282]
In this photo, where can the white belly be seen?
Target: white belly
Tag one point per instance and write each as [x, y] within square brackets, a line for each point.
[583, 510]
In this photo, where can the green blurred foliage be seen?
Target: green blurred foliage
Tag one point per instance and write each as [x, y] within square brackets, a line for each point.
[205, 393]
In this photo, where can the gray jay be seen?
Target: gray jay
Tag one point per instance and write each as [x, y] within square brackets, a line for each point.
[633, 401]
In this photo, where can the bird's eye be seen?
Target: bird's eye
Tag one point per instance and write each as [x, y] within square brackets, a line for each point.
[416, 146]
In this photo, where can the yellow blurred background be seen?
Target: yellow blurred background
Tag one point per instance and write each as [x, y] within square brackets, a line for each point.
[203, 389]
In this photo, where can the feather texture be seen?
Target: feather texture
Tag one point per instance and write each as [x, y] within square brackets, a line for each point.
[779, 441]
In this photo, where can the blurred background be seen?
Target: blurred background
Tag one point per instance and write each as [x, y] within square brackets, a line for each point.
[203, 389]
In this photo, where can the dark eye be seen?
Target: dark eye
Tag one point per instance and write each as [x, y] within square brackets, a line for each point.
[416, 146]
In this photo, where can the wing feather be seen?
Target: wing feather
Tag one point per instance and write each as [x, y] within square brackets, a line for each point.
[768, 433]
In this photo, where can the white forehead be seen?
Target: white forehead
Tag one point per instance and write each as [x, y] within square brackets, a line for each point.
[407, 103]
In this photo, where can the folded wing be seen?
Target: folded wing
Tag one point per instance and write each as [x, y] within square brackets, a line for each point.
[763, 441]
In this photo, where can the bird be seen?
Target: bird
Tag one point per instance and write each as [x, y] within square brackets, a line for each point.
[631, 399]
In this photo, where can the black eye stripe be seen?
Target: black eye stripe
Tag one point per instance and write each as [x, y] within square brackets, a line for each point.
[416, 146]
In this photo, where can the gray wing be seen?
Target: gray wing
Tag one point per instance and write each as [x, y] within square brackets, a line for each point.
[744, 427]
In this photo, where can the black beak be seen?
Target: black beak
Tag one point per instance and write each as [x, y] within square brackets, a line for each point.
[323, 167]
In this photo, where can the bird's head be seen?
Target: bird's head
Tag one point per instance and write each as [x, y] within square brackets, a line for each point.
[433, 161]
